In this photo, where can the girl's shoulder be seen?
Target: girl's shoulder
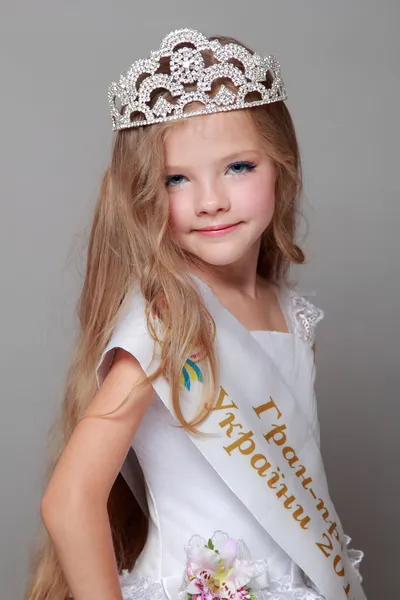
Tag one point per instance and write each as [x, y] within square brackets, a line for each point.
[302, 315]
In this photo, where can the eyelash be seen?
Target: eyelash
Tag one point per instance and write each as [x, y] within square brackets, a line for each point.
[249, 166]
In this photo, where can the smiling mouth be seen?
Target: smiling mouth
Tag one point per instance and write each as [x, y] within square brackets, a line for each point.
[215, 230]
[217, 227]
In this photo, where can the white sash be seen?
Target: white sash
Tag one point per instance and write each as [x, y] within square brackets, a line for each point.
[263, 450]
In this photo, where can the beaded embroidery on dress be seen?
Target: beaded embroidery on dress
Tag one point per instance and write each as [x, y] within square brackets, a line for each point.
[134, 587]
[141, 588]
[303, 316]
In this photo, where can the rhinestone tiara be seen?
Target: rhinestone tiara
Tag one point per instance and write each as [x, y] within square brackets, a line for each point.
[131, 103]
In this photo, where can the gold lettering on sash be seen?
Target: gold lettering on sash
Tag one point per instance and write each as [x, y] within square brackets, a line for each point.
[325, 547]
[230, 417]
[277, 434]
[347, 589]
[300, 473]
[276, 477]
[241, 443]
[271, 404]
[333, 530]
[306, 480]
[304, 521]
[336, 561]
[220, 400]
[265, 465]
[289, 499]
[321, 507]
[246, 445]
[282, 491]
[294, 459]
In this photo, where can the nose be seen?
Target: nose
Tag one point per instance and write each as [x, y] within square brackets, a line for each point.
[212, 200]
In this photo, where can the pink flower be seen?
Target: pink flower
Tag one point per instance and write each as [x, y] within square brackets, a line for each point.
[220, 569]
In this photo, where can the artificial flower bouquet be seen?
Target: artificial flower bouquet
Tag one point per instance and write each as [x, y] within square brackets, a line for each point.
[221, 568]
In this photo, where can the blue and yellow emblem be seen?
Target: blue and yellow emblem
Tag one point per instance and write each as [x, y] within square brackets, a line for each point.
[191, 370]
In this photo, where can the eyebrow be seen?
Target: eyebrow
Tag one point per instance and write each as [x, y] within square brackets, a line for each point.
[224, 159]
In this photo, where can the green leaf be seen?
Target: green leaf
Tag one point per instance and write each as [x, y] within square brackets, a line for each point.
[210, 545]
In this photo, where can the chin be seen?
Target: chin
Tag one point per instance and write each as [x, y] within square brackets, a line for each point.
[220, 258]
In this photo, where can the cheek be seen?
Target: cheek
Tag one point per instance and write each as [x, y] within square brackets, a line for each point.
[259, 200]
[179, 216]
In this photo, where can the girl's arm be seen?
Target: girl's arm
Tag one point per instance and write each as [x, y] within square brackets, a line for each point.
[74, 506]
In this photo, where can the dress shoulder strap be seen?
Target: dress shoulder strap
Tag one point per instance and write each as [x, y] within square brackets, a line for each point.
[302, 315]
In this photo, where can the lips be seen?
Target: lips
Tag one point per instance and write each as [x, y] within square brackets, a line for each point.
[218, 227]
[217, 230]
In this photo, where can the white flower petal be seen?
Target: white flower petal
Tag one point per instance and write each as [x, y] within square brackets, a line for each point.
[192, 588]
[203, 559]
[229, 553]
[219, 540]
[242, 573]
[228, 590]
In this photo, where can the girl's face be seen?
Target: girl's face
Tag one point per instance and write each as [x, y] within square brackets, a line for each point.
[221, 187]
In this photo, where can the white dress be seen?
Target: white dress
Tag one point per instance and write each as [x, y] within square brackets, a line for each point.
[185, 495]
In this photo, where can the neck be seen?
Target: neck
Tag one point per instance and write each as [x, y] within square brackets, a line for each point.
[240, 276]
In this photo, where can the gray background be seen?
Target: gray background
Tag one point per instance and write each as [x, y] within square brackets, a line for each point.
[340, 64]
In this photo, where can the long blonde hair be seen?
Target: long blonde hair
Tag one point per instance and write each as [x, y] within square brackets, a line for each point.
[130, 241]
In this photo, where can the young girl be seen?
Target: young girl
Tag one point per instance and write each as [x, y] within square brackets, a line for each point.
[189, 465]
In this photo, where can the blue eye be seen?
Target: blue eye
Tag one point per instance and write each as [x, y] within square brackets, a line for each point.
[241, 167]
[174, 180]
[237, 168]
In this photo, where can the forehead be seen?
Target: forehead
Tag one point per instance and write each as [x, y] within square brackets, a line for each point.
[211, 136]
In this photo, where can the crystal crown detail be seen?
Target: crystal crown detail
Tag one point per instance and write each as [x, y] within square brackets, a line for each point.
[189, 81]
